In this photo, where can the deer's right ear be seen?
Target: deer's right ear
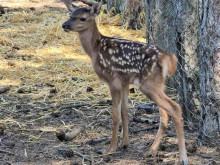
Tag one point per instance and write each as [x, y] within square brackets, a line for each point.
[96, 8]
[69, 5]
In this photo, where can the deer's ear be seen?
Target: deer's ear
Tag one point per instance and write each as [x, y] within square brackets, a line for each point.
[96, 9]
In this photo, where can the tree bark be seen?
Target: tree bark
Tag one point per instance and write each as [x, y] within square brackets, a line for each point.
[116, 4]
[209, 75]
[132, 12]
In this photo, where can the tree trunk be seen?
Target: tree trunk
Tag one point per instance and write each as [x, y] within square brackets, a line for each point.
[171, 25]
[116, 4]
[133, 14]
[209, 75]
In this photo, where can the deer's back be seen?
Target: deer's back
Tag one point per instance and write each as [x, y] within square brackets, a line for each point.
[129, 60]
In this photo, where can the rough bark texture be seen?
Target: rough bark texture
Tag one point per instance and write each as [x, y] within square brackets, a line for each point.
[190, 29]
[209, 75]
[116, 4]
[132, 12]
[170, 24]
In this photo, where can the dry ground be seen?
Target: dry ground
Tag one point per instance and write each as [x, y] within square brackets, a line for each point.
[53, 86]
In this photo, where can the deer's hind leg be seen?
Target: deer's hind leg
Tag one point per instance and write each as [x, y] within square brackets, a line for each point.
[164, 118]
[155, 93]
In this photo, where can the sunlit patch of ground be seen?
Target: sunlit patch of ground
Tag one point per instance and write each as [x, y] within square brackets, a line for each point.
[33, 42]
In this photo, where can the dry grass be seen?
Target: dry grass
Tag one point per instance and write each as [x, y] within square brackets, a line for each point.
[36, 51]
[36, 54]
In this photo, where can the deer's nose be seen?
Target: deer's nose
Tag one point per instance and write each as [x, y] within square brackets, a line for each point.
[65, 26]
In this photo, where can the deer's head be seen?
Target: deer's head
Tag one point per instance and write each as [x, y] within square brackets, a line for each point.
[81, 18]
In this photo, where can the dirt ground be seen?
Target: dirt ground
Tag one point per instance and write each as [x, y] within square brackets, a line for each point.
[52, 86]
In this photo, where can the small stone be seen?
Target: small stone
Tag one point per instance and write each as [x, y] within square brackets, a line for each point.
[191, 148]
[74, 78]
[149, 108]
[50, 85]
[2, 129]
[16, 47]
[54, 90]
[56, 114]
[60, 134]
[32, 8]
[4, 89]
[89, 89]
[107, 159]
[99, 152]
[9, 143]
[44, 42]
[11, 63]
[21, 90]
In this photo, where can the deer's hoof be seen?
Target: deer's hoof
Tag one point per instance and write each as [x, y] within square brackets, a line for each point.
[150, 154]
[106, 152]
[183, 162]
[124, 146]
[100, 152]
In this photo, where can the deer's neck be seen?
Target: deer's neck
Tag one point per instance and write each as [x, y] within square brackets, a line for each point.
[89, 40]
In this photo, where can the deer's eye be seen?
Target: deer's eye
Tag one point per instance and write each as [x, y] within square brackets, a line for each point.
[82, 19]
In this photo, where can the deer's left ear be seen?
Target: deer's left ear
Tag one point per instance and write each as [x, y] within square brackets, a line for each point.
[96, 9]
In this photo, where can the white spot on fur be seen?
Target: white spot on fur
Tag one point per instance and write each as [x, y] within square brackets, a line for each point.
[101, 56]
[137, 82]
[153, 66]
[110, 51]
[153, 58]
[113, 58]
[108, 62]
[165, 70]
[123, 63]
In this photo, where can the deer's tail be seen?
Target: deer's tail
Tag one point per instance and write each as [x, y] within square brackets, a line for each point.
[169, 64]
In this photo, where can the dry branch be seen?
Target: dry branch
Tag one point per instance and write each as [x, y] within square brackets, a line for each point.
[68, 135]
[146, 129]
[4, 89]
[95, 141]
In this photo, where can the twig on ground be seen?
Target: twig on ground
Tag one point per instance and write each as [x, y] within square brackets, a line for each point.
[4, 89]
[146, 129]
[95, 141]
[7, 152]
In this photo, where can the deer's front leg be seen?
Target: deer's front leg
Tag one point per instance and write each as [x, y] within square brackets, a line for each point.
[124, 112]
[116, 115]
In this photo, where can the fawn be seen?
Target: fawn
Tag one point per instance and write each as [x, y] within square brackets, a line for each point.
[120, 62]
